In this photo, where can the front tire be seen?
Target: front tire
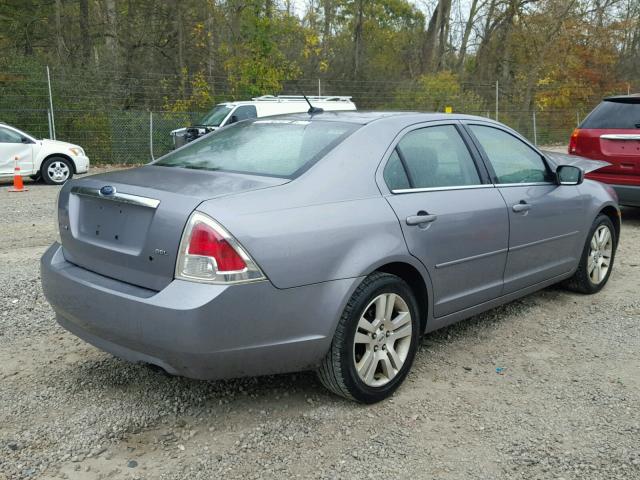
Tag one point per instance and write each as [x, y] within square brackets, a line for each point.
[596, 262]
[375, 341]
[56, 170]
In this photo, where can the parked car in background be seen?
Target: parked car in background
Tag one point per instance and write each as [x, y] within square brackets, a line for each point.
[611, 132]
[53, 161]
[231, 112]
[330, 242]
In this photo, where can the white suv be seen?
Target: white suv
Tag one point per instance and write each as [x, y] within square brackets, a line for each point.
[224, 114]
[53, 161]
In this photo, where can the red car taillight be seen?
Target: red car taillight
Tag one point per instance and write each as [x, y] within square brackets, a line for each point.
[206, 242]
[573, 141]
[208, 253]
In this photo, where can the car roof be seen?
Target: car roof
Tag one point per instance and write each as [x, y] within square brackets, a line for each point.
[365, 117]
[632, 98]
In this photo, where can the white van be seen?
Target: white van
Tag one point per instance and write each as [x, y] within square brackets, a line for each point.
[230, 112]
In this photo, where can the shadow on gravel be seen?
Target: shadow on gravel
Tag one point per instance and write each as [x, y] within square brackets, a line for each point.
[631, 216]
[115, 380]
[489, 320]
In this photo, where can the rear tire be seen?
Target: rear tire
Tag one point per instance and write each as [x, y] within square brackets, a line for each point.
[56, 170]
[596, 262]
[375, 341]
[36, 177]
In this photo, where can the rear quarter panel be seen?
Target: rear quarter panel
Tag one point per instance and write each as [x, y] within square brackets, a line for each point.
[316, 243]
[330, 223]
[598, 199]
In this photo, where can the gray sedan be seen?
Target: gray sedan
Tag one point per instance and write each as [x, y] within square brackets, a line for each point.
[330, 241]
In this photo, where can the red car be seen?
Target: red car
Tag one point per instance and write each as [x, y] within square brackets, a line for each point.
[611, 132]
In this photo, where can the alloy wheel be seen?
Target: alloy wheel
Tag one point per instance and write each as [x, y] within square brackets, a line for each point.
[600, 251]
[382, 339]
[58, 171]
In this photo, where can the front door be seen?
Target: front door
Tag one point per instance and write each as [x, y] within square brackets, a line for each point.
[11, 146]
[452, 219]
[545, 218]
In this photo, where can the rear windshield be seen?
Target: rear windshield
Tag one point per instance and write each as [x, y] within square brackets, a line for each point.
[614, 114]
[271, 147]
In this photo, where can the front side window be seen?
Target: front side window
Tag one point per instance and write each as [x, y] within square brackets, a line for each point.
[9, 136]
[279, 148]
[437, 157]
[513, 161]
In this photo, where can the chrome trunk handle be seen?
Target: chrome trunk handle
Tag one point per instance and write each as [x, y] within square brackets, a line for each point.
[116, 197]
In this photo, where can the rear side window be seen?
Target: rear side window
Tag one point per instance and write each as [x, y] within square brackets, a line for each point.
[614, 114]
[513, 161]
[394, 173]
[437, 157]
[278, 148]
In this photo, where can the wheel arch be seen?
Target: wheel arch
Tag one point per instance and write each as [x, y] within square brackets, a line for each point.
[614, 215]
[416, 281]
[61, 155]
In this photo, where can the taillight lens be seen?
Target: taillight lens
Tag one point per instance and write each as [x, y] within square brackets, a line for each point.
[208, 253]
[573, 141]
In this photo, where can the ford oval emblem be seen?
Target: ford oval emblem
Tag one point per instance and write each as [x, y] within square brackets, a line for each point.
[107, 190]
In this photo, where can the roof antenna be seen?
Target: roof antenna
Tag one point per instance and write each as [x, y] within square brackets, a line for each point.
[312, 109]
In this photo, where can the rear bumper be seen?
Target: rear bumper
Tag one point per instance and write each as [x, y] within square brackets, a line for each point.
[628, 195]
[197, 330]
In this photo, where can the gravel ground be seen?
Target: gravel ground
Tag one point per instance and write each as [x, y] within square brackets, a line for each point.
[565, 405]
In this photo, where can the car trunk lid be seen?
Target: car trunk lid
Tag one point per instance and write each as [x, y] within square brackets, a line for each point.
[128, 224]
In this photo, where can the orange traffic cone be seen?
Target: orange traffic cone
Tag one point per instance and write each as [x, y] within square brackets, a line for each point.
[17, 179]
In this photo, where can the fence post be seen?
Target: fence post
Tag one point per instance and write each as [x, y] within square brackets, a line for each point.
[535, 131]
[53, 122]
[497, 100]
[151, 134]
[319, 89]
[49, 122]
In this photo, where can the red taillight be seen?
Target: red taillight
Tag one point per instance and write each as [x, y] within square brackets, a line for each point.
[205, 241]
[573, 141]
[210, 254]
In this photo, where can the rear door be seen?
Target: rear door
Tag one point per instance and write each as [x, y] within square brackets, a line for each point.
[612, 133]
[12, 147]
[452, 218]
[545, 238]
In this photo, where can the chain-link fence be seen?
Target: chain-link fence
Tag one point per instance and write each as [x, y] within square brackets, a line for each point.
[127, 137]
[126, 120]
[133, 137]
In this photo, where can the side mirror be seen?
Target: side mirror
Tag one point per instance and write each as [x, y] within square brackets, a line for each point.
[25, 140]
[233, 119]
[569, 175]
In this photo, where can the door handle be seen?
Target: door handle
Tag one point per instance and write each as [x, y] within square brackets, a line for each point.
[521, 207]
[421, 218]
